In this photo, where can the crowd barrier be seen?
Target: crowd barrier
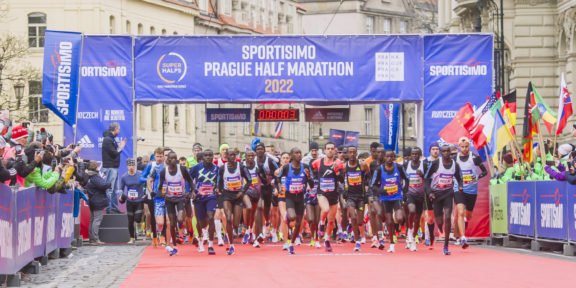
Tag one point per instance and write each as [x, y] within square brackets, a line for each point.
[538, 210]
[33, 223]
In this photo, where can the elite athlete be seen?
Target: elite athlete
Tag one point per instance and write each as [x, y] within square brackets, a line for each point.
[252, 196]
[415, 194]
[355, 192]
[267, 164]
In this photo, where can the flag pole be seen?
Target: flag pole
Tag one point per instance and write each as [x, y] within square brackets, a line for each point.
[541, 145]
[554, 143]
[489, 161]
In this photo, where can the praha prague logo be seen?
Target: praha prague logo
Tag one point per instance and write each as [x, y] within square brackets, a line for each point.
[171, 67]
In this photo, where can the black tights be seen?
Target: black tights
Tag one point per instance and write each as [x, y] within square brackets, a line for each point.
[150, 203]
[134, 212]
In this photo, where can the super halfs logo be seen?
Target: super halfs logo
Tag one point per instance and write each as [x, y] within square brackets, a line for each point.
[171, 69]
[467, 68]
[62, 63]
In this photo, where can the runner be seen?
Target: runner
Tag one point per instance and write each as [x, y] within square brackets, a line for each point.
[232, 190]
[150, 192]
[252, 196]
[264, 204]
[375, 210]
[281, 193]
[311, 199]
[173, 180]
[387, 181]
[429, 215]
[328, 171]
[205, 176]
[465, 201]
[440, 179]
[194, 159]
[159, 203]
[219, 216]
[341, 215]
[296, 175]
[415, 194]
[133, 193]
[355, 192]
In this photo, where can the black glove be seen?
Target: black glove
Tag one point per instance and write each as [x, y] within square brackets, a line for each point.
[122, 199]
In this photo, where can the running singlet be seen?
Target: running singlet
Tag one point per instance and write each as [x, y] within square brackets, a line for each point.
[469, 173]
[295, 184]
[205, 179]
[416, 182]
[256, 182]
[354, 180]
[390, 184]
[327, 177]
[443, 179]
[174, 185]
[233, 181]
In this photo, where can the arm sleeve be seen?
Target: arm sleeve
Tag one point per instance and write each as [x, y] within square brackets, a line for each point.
[221, 178]
[283, 173]
[122, 185]
[560, 176]
[561, 168]
[145, 173]
[100, 183]
[478, 162]
[458, 175]
[161, 182]
[246, 175]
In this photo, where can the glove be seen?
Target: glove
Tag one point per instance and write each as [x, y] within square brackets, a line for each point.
[122, 199]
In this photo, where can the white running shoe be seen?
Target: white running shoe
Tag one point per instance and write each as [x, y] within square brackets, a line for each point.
[274, 238]
[391, 248]
[317, 245]
[256, 244]
[220, 241]
[298, 241]
[413, 246]
[458, 242]
[201, 247]
[363, 240]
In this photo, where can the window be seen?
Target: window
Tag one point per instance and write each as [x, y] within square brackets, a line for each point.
[152, 30]
[403, 27]
[140, 29]
[188, 119]
[386, 29]
[202, 5]
[368, 121]
[263, 4]
[128, 27]
[37, 111]
[226, 7]
[272, 5]
[142, 117]
[166, 116]
[291, 131]
[369, 25]
[112, 24]
[176, 119]
[36, 29]
[163, 31]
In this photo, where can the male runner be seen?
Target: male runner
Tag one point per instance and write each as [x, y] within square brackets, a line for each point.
[341, 215]
[252, 196]
[415, 194]
[205, 176]
[264, 204]
[232, 189]
[280, 192]
[387, 182]
[159, 203]
[133, 193]
[173, 180]
[311, 199]
[373, 156]
[355, 192]
[375, 210]
[150, 199]
[297, 175]
[465, 201]
[429, 215]
[440, 180]
[328, 171]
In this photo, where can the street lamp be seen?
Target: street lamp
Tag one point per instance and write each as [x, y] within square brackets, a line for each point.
[18, 92]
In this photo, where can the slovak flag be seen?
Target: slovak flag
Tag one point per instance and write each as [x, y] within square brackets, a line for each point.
[564, 106]
[278, 130]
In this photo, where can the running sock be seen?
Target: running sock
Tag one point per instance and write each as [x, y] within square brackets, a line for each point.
[380, 235]
[218, 226]
[210, 243]
[339, 227]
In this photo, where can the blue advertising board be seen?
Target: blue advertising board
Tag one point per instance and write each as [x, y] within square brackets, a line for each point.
[337, 137]
[551, 210]
[25, 202]
[571, 200]
[228, 114]
[389, 122]
[7, 230]
[51, 207]
[65, 218]
[521, 208]
[339, 69]
[40, 223]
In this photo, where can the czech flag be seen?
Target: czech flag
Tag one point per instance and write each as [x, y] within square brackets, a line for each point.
[564, 106]
[278, 130]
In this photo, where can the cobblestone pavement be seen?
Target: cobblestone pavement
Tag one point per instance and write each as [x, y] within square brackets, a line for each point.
[89, 266]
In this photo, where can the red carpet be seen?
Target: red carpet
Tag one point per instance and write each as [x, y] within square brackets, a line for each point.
[270, 267]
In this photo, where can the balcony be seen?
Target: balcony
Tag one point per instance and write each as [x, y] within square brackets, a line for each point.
[460, 6]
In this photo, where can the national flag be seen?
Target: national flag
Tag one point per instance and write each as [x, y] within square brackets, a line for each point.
[564, 106]
[500, 136]
[278, 130]
[480, 127]
[456, 129]
[255, 128]
[508, 111]
[544, 112]
[529, 128]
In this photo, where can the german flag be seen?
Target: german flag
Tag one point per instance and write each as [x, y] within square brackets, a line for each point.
[508, 110]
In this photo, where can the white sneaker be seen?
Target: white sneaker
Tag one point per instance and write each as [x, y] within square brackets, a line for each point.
[298, 242]
[274, 238]
[266, 230]
[256, 244]
[413, 246]
[220, 241]
[200, 248]
[205, 236]
[458, 242]
[317, 245]
[363, 240]
[391, 248]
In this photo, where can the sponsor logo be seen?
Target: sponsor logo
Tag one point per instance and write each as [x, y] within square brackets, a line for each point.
[108, 69]
[520, 212]
[171, 68]
[87, 115]
[85, 142]
[114, 115]
[318, 116]
[62, 62]
[389, 66]
[468, 68]
[444, 114]
[552, 214]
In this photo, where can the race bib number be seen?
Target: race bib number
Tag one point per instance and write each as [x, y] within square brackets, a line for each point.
[132, 194]
[467, 176]
[174, 190]
[445, 180]
[296, 185]
[415, 180]
[327, 184]
[205, 189]
[390, 187]
[354, 178]
[254, 179]
[233, 183]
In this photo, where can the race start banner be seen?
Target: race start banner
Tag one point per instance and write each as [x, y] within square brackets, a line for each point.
[62, 73]
[521, 208]
[389, 122]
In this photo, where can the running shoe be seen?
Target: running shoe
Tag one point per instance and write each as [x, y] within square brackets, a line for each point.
[298, 240]
[131, 241]
[260, 238]
[256, 244]
[226, 240]
[312, 242]
[427, 242]
[458, 242]
[286, 245]
[327, 246]
[431, 246]
[374, 242]
[363, 240]
[201, 248]
[246, 238]
[317, 244]
[230, 251]
[340, 238]
[211, 251]
[391, 249]
[464, 244]
[179, 240]
[220, 242]
[413, 246]
[274, 238]
[291, 249]
[154, 242]
[381, 245]
[321, 230]
[357, 248]
[351, 237]
[194, 241]
[446, 251]
[345, 236]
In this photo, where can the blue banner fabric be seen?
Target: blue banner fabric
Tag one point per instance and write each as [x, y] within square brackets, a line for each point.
[551, 208]
[352, 138]
[337, 137]
[105, 97]
[571, 200]
[40, 223]
[25, 202]
[7, 231]
[339, 69]
[389, 119]
[457, 69]
[61, 75]
[51, 207]
[66, 219]
[521, 208]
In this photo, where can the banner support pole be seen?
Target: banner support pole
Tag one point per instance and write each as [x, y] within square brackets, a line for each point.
[79, 82]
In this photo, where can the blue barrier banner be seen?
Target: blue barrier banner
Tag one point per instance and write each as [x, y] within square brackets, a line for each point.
[40, 223]
[457, 69]
[7, 231]
[50, 218]
[339, 69]
[105, 96]
[551, 209]
[521, 205]
[571, 200]
[352, 138]
[65, 219]
[228, 114]
[25, 202]
[61, 73]
[389, 122]
[337, 137]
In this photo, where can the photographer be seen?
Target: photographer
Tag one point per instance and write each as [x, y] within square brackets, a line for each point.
[5, 174]
[16, 158]
[98, 201]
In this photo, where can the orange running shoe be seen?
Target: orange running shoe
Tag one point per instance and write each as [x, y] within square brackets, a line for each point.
[154, 242]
